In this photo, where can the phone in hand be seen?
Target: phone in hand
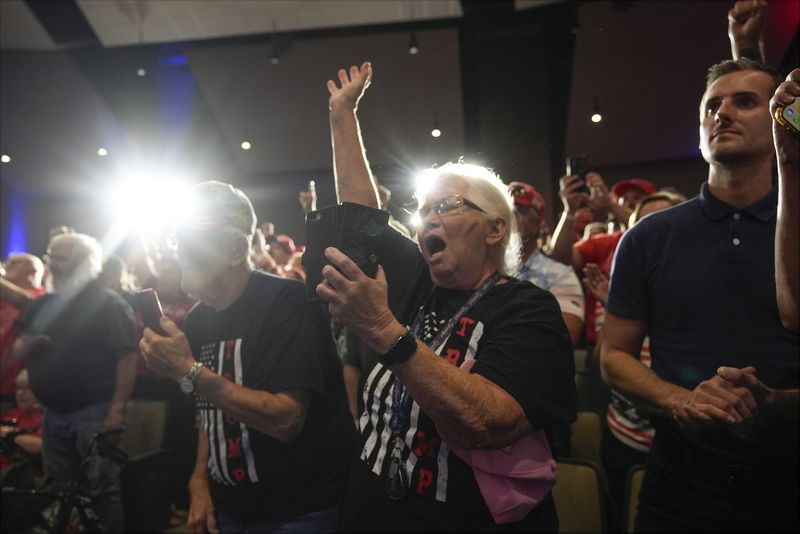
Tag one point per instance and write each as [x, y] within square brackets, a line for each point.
[578, 166]
[353, 229]
[789, 116]
[149, 308]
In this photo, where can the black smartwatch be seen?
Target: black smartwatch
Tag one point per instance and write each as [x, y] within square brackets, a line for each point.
[401, 350]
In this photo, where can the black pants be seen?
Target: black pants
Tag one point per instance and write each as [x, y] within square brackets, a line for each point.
[686, 490]
[618, 458]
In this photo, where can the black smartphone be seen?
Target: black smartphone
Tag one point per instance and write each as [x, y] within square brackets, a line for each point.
[578, 166]
[352, 228]
[149, 309]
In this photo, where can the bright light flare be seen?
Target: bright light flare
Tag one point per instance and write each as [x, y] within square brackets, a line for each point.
[149, 204]
[597, 117]
[415, 220]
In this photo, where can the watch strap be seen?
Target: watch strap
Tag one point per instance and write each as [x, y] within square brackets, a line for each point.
[401, 350]
[189, 379]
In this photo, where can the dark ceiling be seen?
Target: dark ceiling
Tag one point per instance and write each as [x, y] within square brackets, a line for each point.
[510, 84]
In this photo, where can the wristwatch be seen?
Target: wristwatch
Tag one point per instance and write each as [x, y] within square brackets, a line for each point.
[188, 380]
[401, 350]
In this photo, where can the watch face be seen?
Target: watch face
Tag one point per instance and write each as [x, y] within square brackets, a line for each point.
[187, 386]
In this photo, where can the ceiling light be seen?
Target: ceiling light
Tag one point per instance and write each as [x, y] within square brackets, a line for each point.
[5, 158]
[413, 45]
[246, 145]
[102, 151]
[596, 116]
[141, 72]
[436, 132]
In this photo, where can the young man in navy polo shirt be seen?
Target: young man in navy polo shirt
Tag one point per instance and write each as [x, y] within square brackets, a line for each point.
[699, 279]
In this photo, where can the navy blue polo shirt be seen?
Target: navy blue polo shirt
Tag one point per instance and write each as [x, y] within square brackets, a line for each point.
[702, 275]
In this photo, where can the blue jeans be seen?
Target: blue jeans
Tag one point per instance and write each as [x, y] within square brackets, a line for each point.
[319, 521]
[65, 443]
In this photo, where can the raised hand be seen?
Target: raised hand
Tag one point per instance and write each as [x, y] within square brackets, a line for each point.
[746, 22]
[308, 199]
[357, 301]
[787, 144]
[599, 194]
[569, 192]
[351, 86]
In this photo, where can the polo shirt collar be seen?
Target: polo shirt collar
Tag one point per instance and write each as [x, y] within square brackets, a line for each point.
[715, 209]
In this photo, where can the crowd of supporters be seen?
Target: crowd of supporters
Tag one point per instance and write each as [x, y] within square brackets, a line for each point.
[464, 344]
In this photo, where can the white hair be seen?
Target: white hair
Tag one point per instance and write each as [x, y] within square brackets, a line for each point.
[486, 189]
[87, 249]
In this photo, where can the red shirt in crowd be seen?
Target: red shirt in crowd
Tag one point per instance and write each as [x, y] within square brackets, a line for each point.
[25, 419]
[10, 365]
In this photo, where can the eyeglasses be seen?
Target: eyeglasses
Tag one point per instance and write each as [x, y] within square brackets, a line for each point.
[447, 204]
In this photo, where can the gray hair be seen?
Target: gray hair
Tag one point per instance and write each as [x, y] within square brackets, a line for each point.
[87, 249]
[486, 189]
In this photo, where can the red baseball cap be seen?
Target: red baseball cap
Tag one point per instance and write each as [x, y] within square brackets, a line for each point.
[622, 187]
[526, 195]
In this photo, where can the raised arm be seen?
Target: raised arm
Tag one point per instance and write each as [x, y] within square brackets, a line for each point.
[746, 22]
[12, 293]
[787, 231]
[561, 248]
[602, 198]
[354, 182]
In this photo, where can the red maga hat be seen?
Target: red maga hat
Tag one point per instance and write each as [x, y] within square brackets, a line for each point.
[526, 195]
[646, 187]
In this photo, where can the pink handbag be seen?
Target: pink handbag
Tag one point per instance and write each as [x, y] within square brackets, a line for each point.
[515, 479]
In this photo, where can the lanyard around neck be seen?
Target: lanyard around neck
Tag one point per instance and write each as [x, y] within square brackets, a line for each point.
[401, 400]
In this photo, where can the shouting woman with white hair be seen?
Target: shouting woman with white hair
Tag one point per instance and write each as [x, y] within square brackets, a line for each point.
[475, 367]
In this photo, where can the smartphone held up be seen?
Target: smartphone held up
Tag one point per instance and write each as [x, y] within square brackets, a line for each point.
[149, 309]
[578, 166]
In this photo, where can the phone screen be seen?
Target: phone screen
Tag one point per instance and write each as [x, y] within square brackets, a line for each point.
[790, 116]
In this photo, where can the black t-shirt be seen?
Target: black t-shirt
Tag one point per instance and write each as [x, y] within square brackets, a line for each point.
[88, 332]
[272, 339]
[517, 336]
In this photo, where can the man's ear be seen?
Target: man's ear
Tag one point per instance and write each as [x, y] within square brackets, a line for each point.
[497, 231]
[241, 250]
